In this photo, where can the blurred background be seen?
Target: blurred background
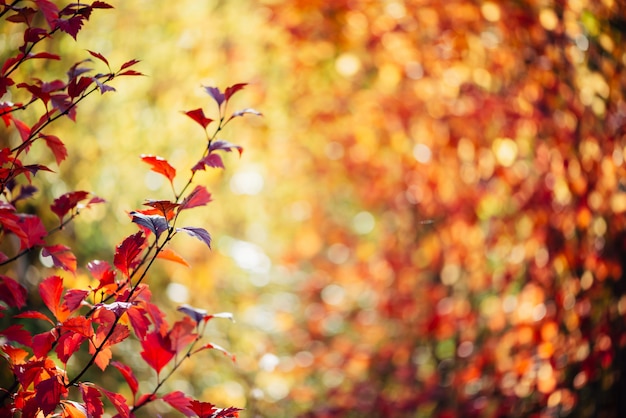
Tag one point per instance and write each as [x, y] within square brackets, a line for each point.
[428, 221]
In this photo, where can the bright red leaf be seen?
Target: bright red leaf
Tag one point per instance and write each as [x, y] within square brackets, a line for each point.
[33, 315]
[103, 272]
[42, 343]
[182, 334]
[67, 345]
[233, 89]
[179, 401]
[127, 253]
[17, 333]
[128, 375]
[79, 325]
[74, 298]
[99, 56]
[118, 401]
[93, 402]
[48, 394]
[50, 290]
[160, 165]
[163, 207]
[34, 230]
[157, 351]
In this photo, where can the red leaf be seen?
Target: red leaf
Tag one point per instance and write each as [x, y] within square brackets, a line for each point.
[79, 325]
[93, 403]
[157, 351]
[50, 11]
[12, 293]
[74, 298]
[198, 197]
[34, 230]
[163, 207]
[182, 334]
[99, 56]
[42, 343]
[233, 89]
[128, 375]
[118, 401]
[17, 333]
[45, 55]
[126, 254]
[23, 129]
[101, 271]
[101, 5]
[199, 117]
[61, 255]
[12, 354]
[50, 290]
[160, 165]
[76, 88]
[56, 146]
[48, 394]
[130, 72]
[62, 205]
[72, 26]
[210, 346]
[128, 64]
[139, 320]
[179, 401]
[33, 315]
[67, 345]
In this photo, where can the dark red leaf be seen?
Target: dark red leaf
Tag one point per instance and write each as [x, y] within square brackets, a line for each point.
[160, 165]
[199, 233]
[50, 11]
[12, 292]
[93, 403]
[130, 72]
[72, 26]
[61, 255]
[198, 197]
[233, 89]
[56, 146]
[179, 401]
[157, 351]
[129, 64]
[199, 117]
[127, 253]
[62, 205]
[76, 88]
[17, 333]
[44, 55]
[128, 375]
[48, 394]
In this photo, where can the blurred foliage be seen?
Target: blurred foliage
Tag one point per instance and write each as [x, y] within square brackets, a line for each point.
[428, 221]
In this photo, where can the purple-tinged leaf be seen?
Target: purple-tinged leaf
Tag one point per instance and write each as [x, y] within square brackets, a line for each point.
[155, 223]
[216, 94]
[199, 233]
[221, 145]
[211, 160]
[194, 313]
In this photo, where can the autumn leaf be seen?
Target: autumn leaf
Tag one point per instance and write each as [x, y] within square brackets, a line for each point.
[61, 256]
[48, 394]
[160, 165]
[17, 333]
[50, 290]
[56, 146]
[171, 255]
[157, 351]
[198, 197]
[127, 253]
[179, 401]
[128, 375]
[67, 202]
[102, 272]
[33, 229]
[67, 345]
[211, 160]
[216, 94]
[222, 145]
[163, 207]
[182, 334]
[198, 233]
[93, 402]
[233, 89]
[198, 116]
[157, 224]
[12, 292]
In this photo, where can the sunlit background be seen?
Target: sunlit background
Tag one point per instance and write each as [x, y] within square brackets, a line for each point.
[427, 220]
